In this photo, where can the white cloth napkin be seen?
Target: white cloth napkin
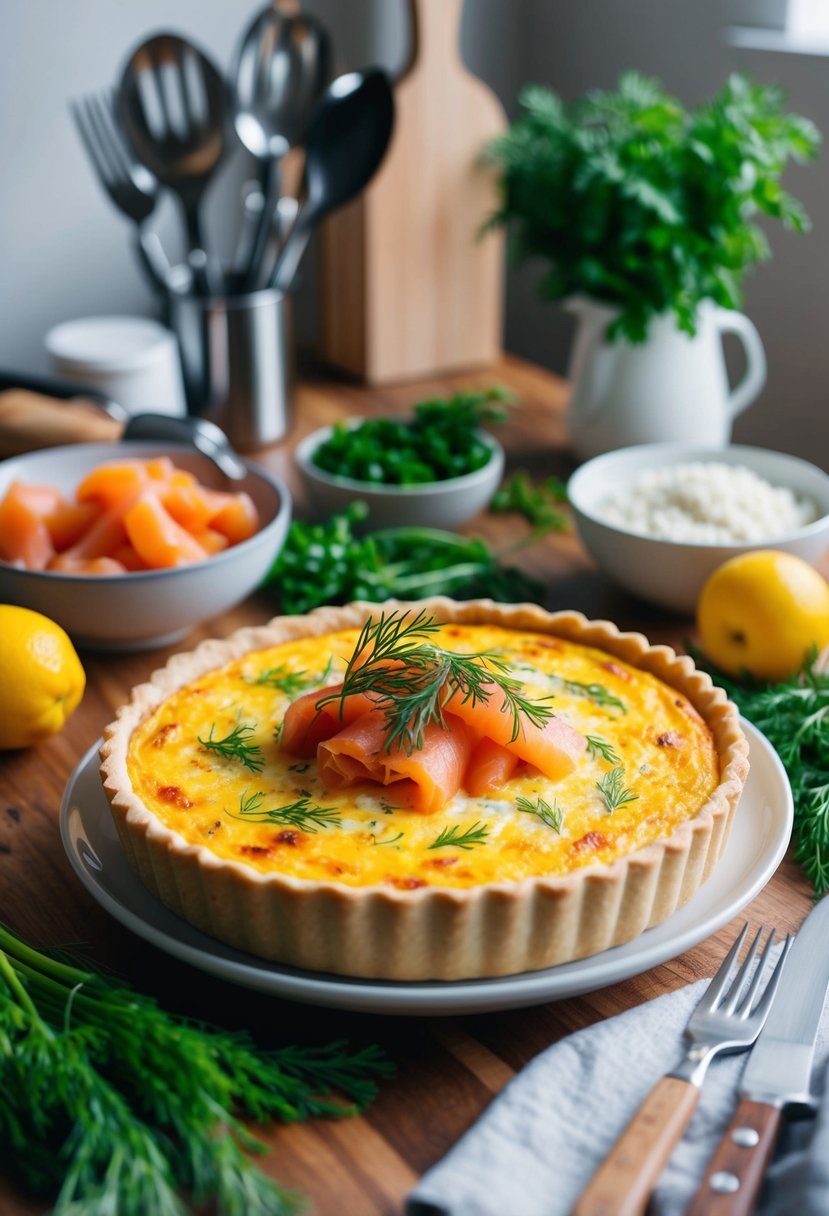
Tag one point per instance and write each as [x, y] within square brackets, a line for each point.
[539, 1142]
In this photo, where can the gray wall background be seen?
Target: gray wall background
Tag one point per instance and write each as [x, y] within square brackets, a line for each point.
[64, 252]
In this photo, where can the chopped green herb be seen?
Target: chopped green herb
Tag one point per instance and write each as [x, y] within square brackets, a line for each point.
[112, 1105]
[304, 814]
[441, 440]
[601, 749]
[593, 692]
[412, 680]
[553, 815]
[326, 563]
[477, 834]
[291, 683]
[612, 789]
[539, 504]
[393, 840]
[236, 746]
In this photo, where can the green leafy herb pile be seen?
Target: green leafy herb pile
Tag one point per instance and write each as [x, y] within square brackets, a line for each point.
[328, 563]
[440, 441]
[539, 504]
[794, 717]
[635, 201]
[122, 1109]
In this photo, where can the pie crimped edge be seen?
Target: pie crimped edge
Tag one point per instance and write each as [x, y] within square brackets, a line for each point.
[430, 932]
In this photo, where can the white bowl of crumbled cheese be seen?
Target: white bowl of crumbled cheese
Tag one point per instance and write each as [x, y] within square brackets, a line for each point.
[659, 518]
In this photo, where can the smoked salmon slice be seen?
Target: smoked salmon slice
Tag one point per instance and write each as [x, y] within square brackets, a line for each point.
[490, 766]
[554, 748]
[425, 780]
[304, 726]
[475, 750]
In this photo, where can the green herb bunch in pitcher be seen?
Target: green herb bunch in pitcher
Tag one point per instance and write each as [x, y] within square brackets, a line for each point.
[635, 201]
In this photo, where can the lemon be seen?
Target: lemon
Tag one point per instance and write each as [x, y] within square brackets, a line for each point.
[761, 612]
[41, 677]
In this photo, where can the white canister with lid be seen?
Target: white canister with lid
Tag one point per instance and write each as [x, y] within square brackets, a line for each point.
[133, 361]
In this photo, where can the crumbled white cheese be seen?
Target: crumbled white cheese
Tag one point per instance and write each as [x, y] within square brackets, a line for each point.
[706, 503]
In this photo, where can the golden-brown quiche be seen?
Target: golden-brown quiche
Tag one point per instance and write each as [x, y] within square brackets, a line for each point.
[439, 790]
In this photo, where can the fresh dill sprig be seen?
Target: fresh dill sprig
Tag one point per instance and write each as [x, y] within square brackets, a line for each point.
[236, 746]
[613, 790]
[794, 716]
[112, 1105]
[601, 749]
[553, 815]
[412, 681]
[477, 834]
[592, 692]
[304, 814]
[291, 683]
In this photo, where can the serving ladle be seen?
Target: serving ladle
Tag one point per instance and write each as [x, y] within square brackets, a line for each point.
[173, 106]
[280, 70]
[346, 142]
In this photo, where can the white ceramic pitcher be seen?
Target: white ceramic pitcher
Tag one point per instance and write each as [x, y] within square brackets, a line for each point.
[669, 388]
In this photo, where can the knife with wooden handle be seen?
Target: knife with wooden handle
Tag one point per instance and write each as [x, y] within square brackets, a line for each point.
[777, 1075]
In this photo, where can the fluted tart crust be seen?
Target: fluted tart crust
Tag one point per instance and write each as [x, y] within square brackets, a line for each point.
[536, 872]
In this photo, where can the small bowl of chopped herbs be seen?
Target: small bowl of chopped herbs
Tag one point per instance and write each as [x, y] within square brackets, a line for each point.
[436, 468]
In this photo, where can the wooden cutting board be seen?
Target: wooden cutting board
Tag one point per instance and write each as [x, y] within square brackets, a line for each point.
[407, 287]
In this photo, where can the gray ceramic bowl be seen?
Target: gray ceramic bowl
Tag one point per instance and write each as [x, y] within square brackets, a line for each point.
[671, 573]
[154, 607]
[437, 504]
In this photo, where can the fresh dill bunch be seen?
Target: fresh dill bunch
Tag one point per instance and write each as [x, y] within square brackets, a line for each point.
[236, 746]
[601, 749]
[455, 835]
[551, 815]
[118, 1107]
[412, 680]
[613, 790]
[794, 716]
[304, 814]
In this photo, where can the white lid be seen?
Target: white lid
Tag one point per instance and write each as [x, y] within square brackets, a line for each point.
[108, 343]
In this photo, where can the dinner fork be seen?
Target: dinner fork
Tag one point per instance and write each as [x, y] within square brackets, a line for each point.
[131, 187]
[728, 1019]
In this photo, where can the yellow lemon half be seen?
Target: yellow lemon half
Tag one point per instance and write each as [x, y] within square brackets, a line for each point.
[41, 677]
[761, 612]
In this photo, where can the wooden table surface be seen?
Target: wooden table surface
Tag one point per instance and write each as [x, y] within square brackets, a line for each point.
[447, 1069]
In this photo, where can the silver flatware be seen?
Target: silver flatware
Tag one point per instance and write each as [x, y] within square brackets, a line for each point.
[728, 1019]
[777, 1075]
[128, 183]
[280, 70]
[346, 142]
[173, 106]
[204, 435]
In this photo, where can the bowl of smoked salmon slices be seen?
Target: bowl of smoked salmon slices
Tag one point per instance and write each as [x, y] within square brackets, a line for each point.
[130, 545]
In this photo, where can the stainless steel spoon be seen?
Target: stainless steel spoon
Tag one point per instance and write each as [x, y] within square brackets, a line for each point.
[173, 107]
[346, 142]
[280, 70]
[204, 435]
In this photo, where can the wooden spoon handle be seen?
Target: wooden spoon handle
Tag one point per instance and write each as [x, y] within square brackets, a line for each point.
[736, 1171]
[623, 1182]
[29, 421]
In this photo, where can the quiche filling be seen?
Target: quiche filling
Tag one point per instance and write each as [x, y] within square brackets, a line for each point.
[209, 762]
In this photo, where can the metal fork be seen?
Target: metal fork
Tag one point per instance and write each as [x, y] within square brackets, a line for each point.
[728, 1019]
[130, 185]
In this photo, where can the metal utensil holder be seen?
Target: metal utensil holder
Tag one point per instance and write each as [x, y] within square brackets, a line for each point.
[238, 362]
